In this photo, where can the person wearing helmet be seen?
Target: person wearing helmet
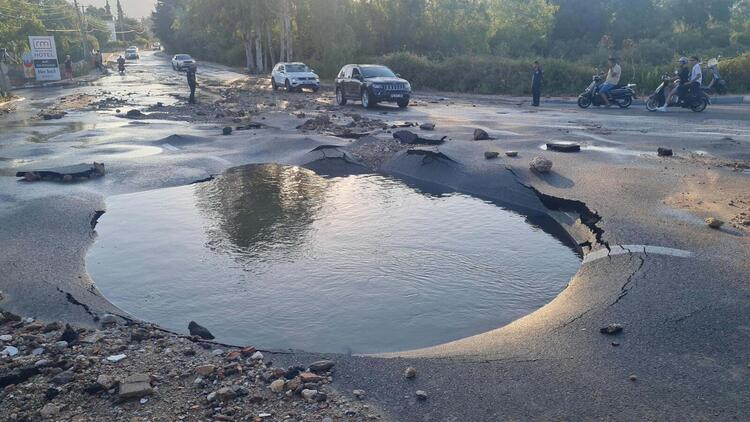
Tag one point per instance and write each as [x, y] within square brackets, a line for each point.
[684, 76]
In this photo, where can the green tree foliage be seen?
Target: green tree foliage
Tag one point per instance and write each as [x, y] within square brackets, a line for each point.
[20, 19]
[647, 34]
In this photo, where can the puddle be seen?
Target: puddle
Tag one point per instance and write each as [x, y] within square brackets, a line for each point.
[280, 257]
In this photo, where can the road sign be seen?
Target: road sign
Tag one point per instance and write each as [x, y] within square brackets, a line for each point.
[44, 55]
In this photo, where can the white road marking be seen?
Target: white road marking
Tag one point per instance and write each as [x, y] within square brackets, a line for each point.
[644, 249]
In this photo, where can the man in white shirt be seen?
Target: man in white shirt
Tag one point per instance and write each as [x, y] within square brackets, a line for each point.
[693, 85]
[613, 78]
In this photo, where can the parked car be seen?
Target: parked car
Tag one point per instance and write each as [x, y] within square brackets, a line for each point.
[131, 53]
[182, 61]
[371, 84]
[294, 76]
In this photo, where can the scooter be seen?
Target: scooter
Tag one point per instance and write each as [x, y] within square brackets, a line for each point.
[622, 95]
[694, 101]
[717, 85]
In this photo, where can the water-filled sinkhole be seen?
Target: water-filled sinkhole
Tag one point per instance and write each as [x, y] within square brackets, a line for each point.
[280, 257]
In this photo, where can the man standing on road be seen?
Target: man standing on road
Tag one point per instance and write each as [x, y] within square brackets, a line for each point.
[613, 78]
[191, 82]
[536, 83]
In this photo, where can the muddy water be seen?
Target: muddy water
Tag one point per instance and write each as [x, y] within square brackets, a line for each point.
[281, 257]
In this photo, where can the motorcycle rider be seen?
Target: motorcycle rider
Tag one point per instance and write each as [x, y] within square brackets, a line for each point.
[613, 79]
[121, 63]
[683, 78]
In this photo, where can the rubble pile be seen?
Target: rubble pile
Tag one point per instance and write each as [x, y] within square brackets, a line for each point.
[136, 371]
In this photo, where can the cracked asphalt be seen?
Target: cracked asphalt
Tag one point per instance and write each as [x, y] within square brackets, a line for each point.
[683, 352]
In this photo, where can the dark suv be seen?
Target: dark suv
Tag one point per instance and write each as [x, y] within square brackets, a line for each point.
[371, 84]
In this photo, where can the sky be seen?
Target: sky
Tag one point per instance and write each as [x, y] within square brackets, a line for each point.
[132, 8]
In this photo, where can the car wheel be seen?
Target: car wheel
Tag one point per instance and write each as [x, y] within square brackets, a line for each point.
[315, 89]
[584, 102]
[403, 103]
[340, 100]
[288, 86]
[366, 100]
[652, 104]
[273, 84]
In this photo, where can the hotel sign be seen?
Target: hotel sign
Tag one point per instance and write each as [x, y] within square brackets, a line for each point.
[44, 56]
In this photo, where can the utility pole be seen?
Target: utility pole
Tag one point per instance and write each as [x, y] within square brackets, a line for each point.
[4, 84]
[81, 30]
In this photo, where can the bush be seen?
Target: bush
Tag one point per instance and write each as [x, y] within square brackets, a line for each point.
[736, 72]
[487, 74]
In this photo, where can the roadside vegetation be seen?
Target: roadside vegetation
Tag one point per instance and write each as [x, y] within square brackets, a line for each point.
[74, 35]
[484, 46]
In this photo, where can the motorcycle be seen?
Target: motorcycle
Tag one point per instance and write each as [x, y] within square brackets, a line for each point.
[694, 101]
[622, 95]
[717, 85]
[121, 65]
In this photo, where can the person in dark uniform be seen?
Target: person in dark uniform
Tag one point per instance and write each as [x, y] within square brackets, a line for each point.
[191, 82]
[536, 83]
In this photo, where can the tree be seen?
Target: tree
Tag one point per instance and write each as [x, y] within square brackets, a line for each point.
[520, 26]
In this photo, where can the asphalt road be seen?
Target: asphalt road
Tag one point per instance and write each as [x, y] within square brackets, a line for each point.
[679, 288]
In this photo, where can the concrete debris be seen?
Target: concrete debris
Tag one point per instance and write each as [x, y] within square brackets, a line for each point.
[278, 386]
[540, 164]
[491, 154]
[664, 152]
[481, 135]
[227, 130]
[511, 153]
[116, 358]
[421, 395]
[611, 329]
[322, 365]
[410, 372]
[410, 138]
[714, 223]
[427, 126]
[135, 387]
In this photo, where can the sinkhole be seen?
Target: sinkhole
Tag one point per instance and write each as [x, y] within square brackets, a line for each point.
[283, 258]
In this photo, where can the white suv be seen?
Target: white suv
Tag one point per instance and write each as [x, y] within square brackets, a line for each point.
[294, 76]
[182, 61]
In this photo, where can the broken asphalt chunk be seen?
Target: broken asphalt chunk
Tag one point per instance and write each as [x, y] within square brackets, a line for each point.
[200, 331]
[67, 173]
[563, 147]
[611, 329]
